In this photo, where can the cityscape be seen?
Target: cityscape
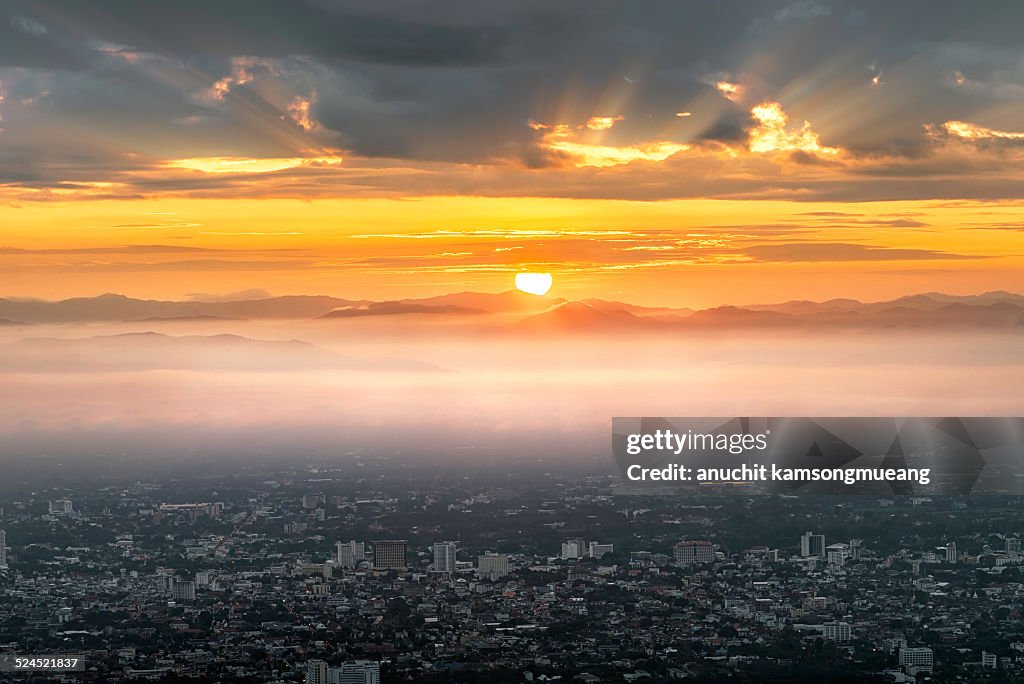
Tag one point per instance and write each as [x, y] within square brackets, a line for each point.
[333, 334]
[353, 574]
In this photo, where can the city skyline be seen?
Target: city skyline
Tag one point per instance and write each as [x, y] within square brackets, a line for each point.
[212, 578]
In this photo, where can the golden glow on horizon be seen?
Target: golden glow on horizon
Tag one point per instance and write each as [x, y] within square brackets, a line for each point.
[677, 252]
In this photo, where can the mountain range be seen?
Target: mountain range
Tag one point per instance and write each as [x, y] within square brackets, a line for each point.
[530, 313]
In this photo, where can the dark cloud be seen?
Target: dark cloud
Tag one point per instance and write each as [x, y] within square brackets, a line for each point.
[95, 90]
[841, 251]
[729, 128]
[272, 28]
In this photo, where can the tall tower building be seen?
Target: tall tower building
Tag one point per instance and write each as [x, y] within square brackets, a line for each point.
[444, 557]
[951, 556]
[316, 672]
[573, 548]
[3, 549]
[350, 553]
[812, 544]
[389, 554]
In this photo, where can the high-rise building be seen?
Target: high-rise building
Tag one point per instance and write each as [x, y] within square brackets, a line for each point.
[3, 549]
[183, 590]
[837, 631]
[164, 582]
[311, 501]
[1013, 547]
[357, 672]
[921, 658]
[812, 545]
[836, 559]
[444, 557]
[856, 546]
[389, 554]
[316, 672]
[687, 552]
[492, 566]
[989, 660]
[350, 553]
[573, 548]
[596, 550]
[61, 507]
[951, 556]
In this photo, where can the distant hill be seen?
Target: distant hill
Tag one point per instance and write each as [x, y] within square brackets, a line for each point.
[398, 309]
[581, 317]
[733, 315]
[186, 319]
[933, 309]
[512, 301]
[661, 312]
[114, 307]
[929, 301]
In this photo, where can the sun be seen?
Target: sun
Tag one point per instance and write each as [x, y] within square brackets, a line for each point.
[533, 283]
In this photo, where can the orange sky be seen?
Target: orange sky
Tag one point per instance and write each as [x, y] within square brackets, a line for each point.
[677, 252]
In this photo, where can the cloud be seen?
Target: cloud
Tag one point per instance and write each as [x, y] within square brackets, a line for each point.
[298, 110]
[189, 265]
[241, 74]
[806, 9]
[438, 100]
[29, 25]
[840, 251]
[730, 91]
[968, 131]
[242, 165]
[572, 142]
[771, 134]
[797, 11]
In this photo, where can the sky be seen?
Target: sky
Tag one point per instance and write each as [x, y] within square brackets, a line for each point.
[669, 153]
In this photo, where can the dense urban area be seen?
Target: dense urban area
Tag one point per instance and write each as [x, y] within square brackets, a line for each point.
[365, 573]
